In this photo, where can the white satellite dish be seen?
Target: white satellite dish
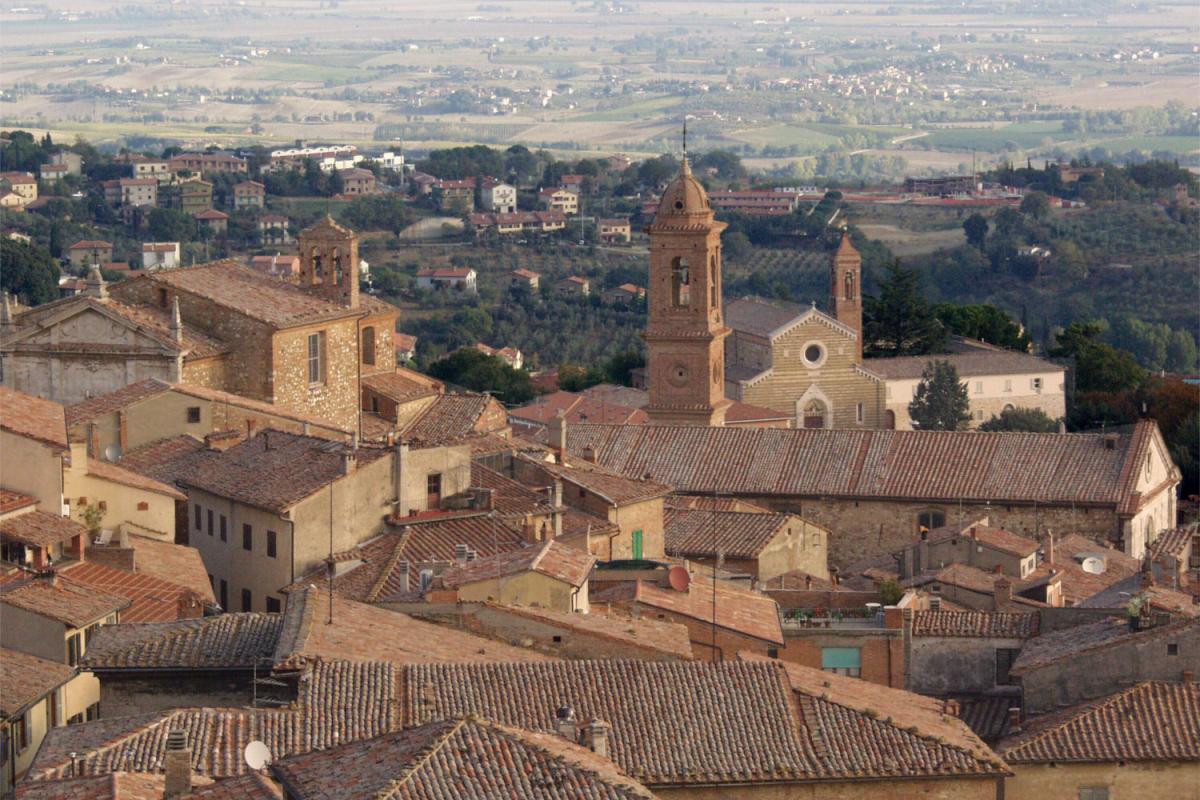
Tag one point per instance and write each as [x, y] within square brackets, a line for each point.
[257, 755]
[113, 452]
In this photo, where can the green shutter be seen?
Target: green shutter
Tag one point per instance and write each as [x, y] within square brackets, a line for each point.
[841, 658]
[637, 544]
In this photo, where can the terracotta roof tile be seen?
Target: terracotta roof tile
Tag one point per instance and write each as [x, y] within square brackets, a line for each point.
[114, 473]
[669, 638]
[258, 296]
[607, 484]
[166, 460]
[32, 417]
[862, 729]
[177, 563]
[577, 523]
[399, 386]
[975, 624]
[273, 470]
[1161, 598]
[675, 722]
[39, 529]
[989, 362]
[995, 538]
[1172, 542]
[24, 679]
[70, 603]
[1152, 721]
[14, 501]
[550, 558]
[99, 406]
[737, 534]
[740, 610]
[468, 757]
[151, 599]
[222, 642]
[509, 498]
[918, 465]
[1073, 642]
[452, 416]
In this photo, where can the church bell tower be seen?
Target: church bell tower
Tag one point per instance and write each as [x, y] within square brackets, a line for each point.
[329, 262]
[845, 289]
[686, 331]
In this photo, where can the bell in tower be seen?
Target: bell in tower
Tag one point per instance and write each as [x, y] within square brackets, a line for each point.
[329, 262]
[686, 331]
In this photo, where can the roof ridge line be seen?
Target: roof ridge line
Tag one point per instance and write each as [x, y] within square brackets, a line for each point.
[1083, 709]
[393, 560]
[422, 760]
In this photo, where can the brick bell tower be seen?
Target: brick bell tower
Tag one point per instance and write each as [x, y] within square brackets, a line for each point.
[686, 331]
[845, 289]
[329, 262]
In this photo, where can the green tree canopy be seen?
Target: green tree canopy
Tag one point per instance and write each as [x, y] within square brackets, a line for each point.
[456, 163]
[1028, 420]
[27, 272]
[941, 402]
[477, 371]
[376, 212]
[976, 228]
[900, 322]
[171, 225]
[1099, 367]
[1036, 205]
[984, 322]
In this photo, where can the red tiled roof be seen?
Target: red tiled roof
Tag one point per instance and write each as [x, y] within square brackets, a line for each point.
[249, 292]
[1050, 648]
[14, 501]
[604, 483]
[917, 465]
[166, 460]
[554, 560]
[147, 786]
[98, 406]
[995, 538]
[509, 498]
[1172, 542]
[60, 599]
[90, 244]
[222, 642]
[867, 730]
[668, 638]
[737, 534]
[274, 470]
[41, 529]
[25, 679]
[150, 599]
[33, 418]
[451, 416]
[745, 412]
[737, 609]
[975, 624]
[1152, 721]
[445, 272]
[399, 386]
[116, 474]
[467, 757]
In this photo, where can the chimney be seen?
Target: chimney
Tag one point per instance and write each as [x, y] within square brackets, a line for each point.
[220, 441]
[1003, 594]
[176, 322]
[935, 603]
[402, 575]
[589, 454]
[349, 461]
[1110, 441]
[1188, 676]
[178, 766]
[1014, 720]
[96, 287]
[460, 553]
[557, 435]
[950, 708]
[595, 737]
[1048, 551]
[564, 723]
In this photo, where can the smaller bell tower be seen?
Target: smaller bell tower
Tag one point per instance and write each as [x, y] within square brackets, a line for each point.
[845, 290]
[329, 262]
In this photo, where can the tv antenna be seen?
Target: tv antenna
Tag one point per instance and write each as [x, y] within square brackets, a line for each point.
[257, 755]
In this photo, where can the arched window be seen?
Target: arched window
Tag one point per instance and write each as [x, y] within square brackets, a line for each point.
[933, 518]
[368, 345]
[337, 268]
[849, 285]
[680, 283]
[715, 298]
[814, 414]
[318, 267]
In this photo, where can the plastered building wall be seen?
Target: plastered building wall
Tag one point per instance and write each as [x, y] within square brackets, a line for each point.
[527, 589]
[989, 395]
[1125, 780]
[32, 468]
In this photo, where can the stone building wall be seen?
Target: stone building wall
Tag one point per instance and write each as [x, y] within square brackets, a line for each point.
[948, 665]
[1123, 780]
[206, 372]
[336, 398]
[893, 789]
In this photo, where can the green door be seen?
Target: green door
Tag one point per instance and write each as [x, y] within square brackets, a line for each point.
[637, 544]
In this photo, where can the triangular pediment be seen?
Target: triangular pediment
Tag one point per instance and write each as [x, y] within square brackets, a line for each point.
[89, 323]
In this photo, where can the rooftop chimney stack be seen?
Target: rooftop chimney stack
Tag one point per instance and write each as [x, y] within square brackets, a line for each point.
[595, 737]
[564, 723]
[178, 766]
[1003, 594]
[557, 429]
[176, 322]
[1014, 720]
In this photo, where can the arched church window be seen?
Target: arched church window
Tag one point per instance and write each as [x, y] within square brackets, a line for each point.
[368, 345]
[318, 267]
[814, 414]
[714, 299]
[849, 285]
[337, 268]
[680, 282]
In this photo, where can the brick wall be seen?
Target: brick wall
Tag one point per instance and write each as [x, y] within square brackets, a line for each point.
[881, 651]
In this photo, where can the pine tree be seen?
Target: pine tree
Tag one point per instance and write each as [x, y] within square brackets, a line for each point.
[900, 322]
[941, 402]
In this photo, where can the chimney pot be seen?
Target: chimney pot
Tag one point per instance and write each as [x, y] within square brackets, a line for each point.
[1014, 720]
[595, 737]
[1188, 676]
[178, 766]
[564, 723]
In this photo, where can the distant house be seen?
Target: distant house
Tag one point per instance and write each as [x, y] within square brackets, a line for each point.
[160, 255]
[22, 184]
[195, 195]
[135, 192]
[248, 194]
[624, 294]
[509, 355]
[273, 229]
[153, 168]
[574, 285]
[357, 181]
[453, 195]
[73, 162]
[614, 230]
[52, 172]
[204, 163]
[550, 575]
[460, 278]
[561, 200]
[90, 251]
[277, 266]
[406, 346]
[524, 278]
[213, 220]
[499, 197]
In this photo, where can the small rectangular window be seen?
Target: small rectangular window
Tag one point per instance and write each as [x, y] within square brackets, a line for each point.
[1036, 384]
[270, 544]
[247, 600]
[74, 649]
[1008, 384]
[1172, 649]
[21, 733]
[273, 605]
[210, 521]
[316, 357]
[978, 387]
[224, 595]
[842, 660]
[224, 529]
[197, 515]
[247, 537]
[1093, 793]
[193, 414]
[859, 414]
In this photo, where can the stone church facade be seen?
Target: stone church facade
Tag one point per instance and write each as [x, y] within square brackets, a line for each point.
[220, 325]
